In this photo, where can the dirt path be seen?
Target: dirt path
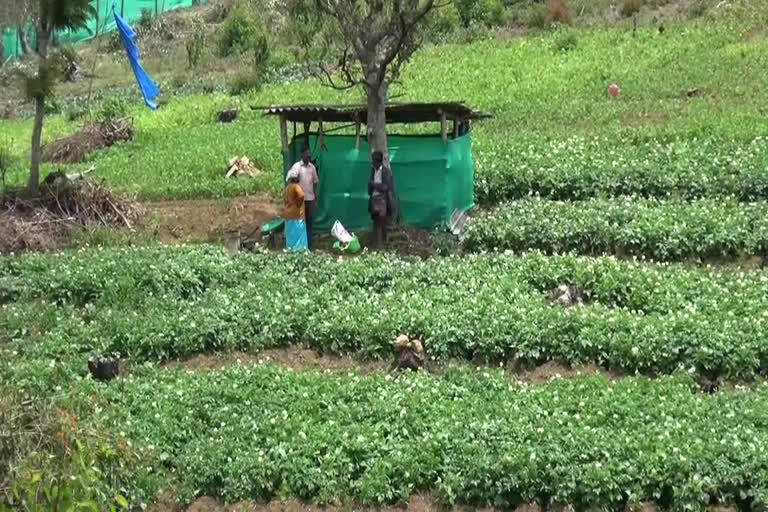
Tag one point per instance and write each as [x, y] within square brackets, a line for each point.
[298, 358]
[204, 220]
[417, 503]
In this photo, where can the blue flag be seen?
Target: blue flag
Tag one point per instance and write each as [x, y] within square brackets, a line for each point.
[148, 88]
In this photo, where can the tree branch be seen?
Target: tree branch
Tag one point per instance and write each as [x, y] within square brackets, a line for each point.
[326, 77]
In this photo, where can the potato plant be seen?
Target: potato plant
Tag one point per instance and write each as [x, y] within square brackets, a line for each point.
[156, 304]
[648, 228]
[259, 432]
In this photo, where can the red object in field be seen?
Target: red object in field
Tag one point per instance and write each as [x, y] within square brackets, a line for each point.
[614, 90]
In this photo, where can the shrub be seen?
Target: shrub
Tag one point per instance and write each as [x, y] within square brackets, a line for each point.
[560, 12]
[144, 25]
[245, 82]
[113, 107]
[544, 15]
[698, 9]
[195, 46]
[219, 12]
[540, 17]
[443, 21]
[241, 33]
[630, 7]
[566, 41]
[76, 111]
[488, 12]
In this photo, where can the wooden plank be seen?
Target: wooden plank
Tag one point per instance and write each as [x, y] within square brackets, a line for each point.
[357, 133]
[284, 133]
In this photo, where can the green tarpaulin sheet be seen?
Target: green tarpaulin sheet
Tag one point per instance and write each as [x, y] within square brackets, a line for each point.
[432, 178]
[106, 22]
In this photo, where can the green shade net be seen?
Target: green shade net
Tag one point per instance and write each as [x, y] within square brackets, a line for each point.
[106, 22]
[432, 178]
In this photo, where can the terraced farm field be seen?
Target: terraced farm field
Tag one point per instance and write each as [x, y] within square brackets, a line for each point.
[262, 381]
[249, 430]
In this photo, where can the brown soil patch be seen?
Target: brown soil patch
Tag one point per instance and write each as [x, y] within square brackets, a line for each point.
[296, 358]
[303, 359]
[300, 359]
[418, 503]
[206, 220]
[752, 34]
[553, 370]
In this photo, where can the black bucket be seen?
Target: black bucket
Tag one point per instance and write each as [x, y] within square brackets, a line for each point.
[104, 369]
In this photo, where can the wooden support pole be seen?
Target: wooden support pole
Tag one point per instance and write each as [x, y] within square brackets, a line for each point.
[307, 127]
[321, 134]
[456, 124]
[122, 8]
[357, 133]
[98, 16]
[443, 126]
[284, 133]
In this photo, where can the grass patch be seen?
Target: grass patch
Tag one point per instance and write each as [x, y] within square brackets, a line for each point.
[529, 84]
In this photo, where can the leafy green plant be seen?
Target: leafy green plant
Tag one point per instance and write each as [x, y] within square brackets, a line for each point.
[50, 462]
[7, 161]
[653, 229]
[241, 33]
[488, 12]
[113, 107]
[195, 47]
[640, 317]
[245, 82]
[567, 41]
[255, 431]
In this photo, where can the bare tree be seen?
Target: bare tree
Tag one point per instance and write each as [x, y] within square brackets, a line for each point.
[52, 15]
[369, 41]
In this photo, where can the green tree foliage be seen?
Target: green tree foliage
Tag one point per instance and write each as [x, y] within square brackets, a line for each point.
[53, 15]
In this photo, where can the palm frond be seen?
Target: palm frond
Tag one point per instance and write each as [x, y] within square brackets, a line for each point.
[66, 14]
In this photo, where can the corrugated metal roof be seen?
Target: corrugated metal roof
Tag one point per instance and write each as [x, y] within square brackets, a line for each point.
[395, 112]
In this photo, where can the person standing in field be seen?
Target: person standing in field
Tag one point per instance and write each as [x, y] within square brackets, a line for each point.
[294, 213]
[381, 202]
[308, 182]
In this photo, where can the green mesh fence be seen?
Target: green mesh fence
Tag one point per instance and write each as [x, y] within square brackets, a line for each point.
[432, 178]
[102, 23]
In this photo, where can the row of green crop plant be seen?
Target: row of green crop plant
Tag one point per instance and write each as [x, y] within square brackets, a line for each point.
[638, 317]
[578, 168]
[660, 230]
[125, 277]
[259, 432]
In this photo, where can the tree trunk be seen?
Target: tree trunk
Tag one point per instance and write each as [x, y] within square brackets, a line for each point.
[37, 132]
[23, 38]
[377, 118]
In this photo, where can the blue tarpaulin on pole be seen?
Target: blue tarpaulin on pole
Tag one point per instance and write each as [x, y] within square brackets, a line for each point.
[148, 88]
